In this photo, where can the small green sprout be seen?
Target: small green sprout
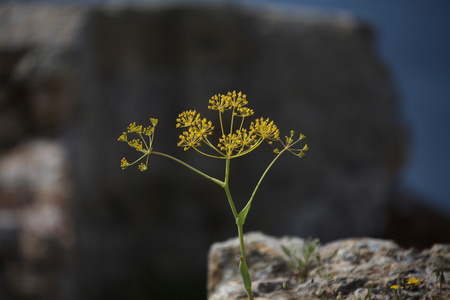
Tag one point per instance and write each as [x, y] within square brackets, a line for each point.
[369, 293]
[303, 265]
[440, 277]
[235, 140]
[441, 280]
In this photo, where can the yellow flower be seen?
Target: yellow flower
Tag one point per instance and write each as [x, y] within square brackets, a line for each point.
[228, 143]
[244, 112]
[301, 154]
[124, 163]
[134, 128]
[235, 140]
[245, 139]
[240, 142]
[137, 144]
[141, 144]
[203, 127]
[237, 100]
[190, 138]
[266, 129]
[123, 137]
[413, 281]
[154, 121]
[149, 130]
[395, 287]
[198, 130]
[230, 100]
[220, 102]
[142, 167]
[187, 118]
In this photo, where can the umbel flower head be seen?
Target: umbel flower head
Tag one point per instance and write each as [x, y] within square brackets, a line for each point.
[235, 140]
[143, 143]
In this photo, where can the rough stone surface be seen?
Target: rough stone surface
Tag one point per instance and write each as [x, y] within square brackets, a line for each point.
[346, 268]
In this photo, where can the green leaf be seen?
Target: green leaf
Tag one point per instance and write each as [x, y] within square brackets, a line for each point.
[286, 251]
[243, 214]
[245, 275]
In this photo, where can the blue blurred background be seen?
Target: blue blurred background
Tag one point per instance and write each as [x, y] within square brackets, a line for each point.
[414, 40]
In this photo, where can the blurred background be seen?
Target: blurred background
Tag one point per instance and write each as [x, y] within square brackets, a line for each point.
[367, 83]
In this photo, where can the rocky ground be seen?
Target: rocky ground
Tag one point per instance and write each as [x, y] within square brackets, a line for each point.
[362, 268]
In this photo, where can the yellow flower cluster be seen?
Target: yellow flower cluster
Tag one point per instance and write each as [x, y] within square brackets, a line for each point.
[187, 118]
[198, 129]
[229, 101]
[412, 284]
[140, 144]
[233, 142]
[266, 129]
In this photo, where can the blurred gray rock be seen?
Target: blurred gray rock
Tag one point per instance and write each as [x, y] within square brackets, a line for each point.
[39, 84]
[80, 75]
[347, 268]
[36, 230]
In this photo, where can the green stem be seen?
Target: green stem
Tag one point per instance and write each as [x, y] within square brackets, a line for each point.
[245, 210]
[221, 123]
[217, 181]
[227, 188]
[232, 121]
[243, 267]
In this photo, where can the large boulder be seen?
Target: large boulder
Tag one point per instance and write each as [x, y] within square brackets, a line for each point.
[358, 268]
